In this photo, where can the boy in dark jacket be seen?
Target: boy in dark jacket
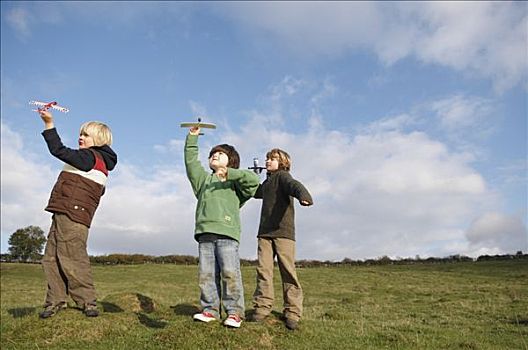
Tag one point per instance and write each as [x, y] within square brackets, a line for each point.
[73, 202]
[276, 237]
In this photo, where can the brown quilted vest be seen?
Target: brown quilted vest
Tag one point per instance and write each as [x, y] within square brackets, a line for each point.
[76, 195]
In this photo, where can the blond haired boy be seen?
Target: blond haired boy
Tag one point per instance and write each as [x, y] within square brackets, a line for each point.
[73, 202]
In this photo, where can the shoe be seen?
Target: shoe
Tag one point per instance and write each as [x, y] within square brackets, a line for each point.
[90, 310]
[292, 324]
[204, 317]
[257, 317]
[233, 321]
[51, 309]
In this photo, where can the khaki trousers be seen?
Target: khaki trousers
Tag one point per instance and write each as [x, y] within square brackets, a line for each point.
[284, 250]
[66, 263]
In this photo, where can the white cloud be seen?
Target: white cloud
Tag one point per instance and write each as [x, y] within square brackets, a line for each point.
[287, 87]
[466, 121]
[173, 146]
[18, 19]
[459, 111]
[22, 19]
[325, 28]
[382, 191]
[25, 186]
[25, 17]
[516, 172]
[197, 110]
[484, 39]
[147, 213]
[488, 39]
[398, 122]
[492, 233]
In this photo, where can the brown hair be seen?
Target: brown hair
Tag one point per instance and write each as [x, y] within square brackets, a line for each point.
[282, 156]
[230, 151]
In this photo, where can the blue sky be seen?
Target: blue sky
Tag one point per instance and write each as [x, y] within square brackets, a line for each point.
[406, 121]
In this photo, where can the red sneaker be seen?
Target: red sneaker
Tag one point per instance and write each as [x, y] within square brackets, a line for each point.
[233, 321]
[204, 317]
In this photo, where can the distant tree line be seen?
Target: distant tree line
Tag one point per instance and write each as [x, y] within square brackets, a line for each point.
[26, 245]
[385, 260]
[136, 259]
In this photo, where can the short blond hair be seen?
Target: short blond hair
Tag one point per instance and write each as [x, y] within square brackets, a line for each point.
[100, 132]
[283, 157]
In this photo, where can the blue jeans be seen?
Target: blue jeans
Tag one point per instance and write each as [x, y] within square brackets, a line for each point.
[220, 278]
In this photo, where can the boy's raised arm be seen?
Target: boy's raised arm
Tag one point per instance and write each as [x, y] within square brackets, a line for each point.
[81, 159]
[195, 171]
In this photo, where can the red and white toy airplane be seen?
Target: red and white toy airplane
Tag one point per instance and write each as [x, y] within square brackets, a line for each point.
[44, 106]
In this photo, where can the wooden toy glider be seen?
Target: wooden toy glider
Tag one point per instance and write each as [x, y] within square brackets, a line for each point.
[198, 124]
[44, 106]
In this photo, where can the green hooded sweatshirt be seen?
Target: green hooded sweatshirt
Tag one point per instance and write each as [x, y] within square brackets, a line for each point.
[219, 203]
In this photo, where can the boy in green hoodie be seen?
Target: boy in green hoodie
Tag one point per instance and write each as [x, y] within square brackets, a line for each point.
[217, 227]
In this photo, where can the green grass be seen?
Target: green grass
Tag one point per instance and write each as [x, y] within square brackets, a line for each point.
[482, 305]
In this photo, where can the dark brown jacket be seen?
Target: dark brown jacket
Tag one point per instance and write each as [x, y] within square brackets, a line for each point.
[277, 216]
[76, 196]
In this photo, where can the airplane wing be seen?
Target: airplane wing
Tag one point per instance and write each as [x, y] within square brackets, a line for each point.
[37, 103]
[60, 109]
[198, 124]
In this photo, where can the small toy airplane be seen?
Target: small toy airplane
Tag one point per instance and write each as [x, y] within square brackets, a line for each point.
[198, 124]
[256, 168]
[44, 106]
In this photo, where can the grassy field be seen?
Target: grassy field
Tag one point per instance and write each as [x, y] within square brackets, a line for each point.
[482, 305]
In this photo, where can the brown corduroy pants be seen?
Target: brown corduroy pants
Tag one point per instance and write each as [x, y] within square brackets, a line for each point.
[284, 250]
[66, 263]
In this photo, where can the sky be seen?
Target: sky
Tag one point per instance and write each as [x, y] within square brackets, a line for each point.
[406, 121]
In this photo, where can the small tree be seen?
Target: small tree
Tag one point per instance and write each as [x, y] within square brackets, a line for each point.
[26, 243]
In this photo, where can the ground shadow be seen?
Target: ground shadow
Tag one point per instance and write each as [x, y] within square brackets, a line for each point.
[273, 317]
[21, 311]
[519, 322]
[185, 309]
[145, 303]
[110, 307]
[277, 315]
[249, 314]
[126, 302]
[149, 322]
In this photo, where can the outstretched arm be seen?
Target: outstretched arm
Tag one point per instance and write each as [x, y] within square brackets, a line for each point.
[295, 189]
[258, 193]
[246, 183]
